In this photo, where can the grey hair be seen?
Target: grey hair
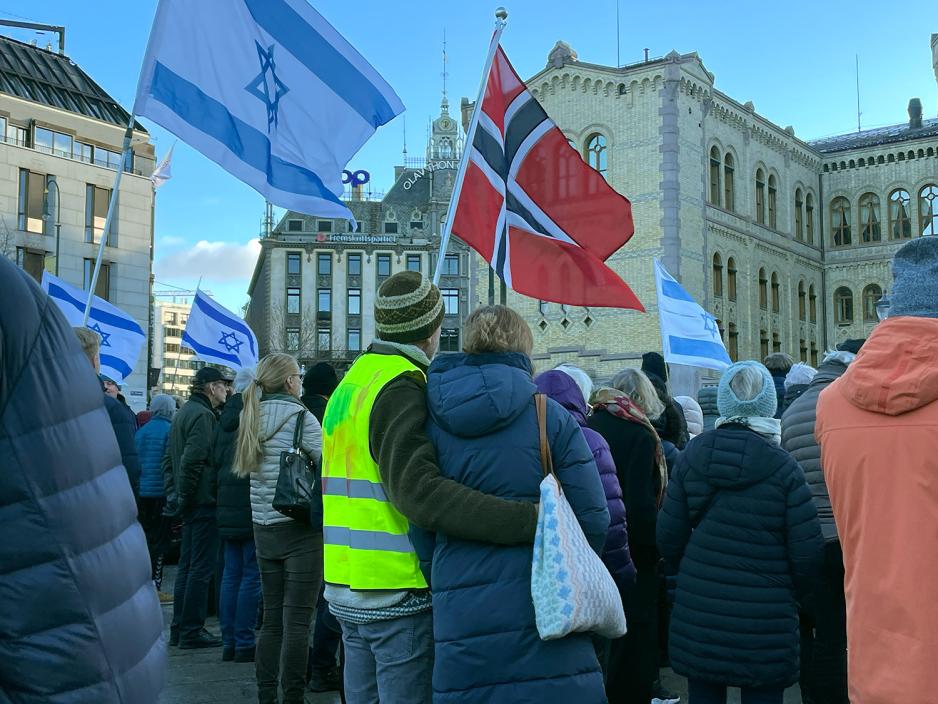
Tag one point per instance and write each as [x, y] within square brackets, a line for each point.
[163, 406]
[779, 362]
[841, 356]
[242, 379]
[747, 383]
[635, 384]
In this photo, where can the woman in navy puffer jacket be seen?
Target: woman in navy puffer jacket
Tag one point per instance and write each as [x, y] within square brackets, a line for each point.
[570, 387]
[484, 425]
[151, 446]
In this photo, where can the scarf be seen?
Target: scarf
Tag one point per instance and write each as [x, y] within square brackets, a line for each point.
[623, 407]
[769, 428]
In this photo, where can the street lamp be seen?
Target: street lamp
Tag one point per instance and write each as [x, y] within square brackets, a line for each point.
[50, 215]
[882, 306]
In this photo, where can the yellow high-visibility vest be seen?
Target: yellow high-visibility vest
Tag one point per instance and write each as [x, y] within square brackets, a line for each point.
[365, 539]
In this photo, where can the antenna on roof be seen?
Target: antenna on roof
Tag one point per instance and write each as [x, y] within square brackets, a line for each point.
[42, 28]
[618, 62]
[858, 92]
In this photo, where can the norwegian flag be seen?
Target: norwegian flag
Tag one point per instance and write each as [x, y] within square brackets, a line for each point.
[544, 219]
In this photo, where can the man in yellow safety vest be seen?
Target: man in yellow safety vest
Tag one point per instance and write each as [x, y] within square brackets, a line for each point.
[380, 474]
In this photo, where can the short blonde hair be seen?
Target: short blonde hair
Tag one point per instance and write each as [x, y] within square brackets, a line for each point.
[636, 385]
[90, 342]
[496, 329]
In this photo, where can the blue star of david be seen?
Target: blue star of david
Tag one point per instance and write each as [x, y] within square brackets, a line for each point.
[105, 336]
[710, 324]
[231, 342]
[266, 86]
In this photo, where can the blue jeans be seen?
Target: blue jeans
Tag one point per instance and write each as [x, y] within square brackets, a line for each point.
[389, 661]
[700, 692]
[240, 592]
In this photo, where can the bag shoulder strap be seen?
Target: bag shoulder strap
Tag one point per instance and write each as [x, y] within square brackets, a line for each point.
[547, 461]
[298, 431]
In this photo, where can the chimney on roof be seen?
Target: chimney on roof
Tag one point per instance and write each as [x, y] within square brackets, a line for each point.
[915, 114]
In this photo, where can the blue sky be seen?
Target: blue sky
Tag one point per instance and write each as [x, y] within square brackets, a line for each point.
[795, 63]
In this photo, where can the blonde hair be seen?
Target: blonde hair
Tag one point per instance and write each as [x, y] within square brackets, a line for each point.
[635, 384]
[496, 329]
[90, 342]
[271, 377]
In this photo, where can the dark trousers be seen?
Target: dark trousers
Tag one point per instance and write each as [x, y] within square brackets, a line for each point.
[633, 658]
[700, 692]
[326, 636]
[156, 528]
[196, 568]
[290, 559]
[824, 662]
[240, 593]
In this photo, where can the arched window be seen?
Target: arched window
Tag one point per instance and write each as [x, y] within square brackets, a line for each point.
[928, 209]
[760, 197]
[731, 279]
[734, 342]
[799, 214]
[809, 218]
[843, 306]
[715, 176]
[802, 302]
[812, 304]
[840, 222]
[900, 222]
[773, 202]
[763, 290]
[871, 296]
[717, 276]
[729, 189]
[446, 148]
[803, 346]
[775, 294]
[596, 152]
[870, 230]
[763, 344]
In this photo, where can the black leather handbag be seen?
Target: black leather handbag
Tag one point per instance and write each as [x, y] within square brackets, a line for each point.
[296, 481]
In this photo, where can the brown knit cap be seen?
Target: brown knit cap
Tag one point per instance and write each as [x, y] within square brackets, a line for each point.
[408, 308]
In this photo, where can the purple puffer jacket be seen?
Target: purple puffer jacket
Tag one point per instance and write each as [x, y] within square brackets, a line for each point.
[616, 557]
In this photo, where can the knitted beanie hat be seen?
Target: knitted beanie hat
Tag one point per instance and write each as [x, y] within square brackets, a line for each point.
[320, 379]
[653, 363]
[915, 279]
[408, 308]
[763, 402]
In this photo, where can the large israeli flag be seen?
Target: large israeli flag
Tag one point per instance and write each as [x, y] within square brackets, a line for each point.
[689, 334]
[267, 89]
[218, 336]
[121, 335]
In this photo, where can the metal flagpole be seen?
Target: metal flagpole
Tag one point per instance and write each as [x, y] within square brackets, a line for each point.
[112, 206]
[501, 15]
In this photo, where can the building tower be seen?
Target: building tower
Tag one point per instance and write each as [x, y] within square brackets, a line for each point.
[445, 140]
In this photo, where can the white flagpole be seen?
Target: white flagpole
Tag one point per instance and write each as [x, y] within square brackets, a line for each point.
[112, 206]
[501, 15]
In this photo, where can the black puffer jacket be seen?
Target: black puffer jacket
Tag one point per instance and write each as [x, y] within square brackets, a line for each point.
[124, 424]
[233, 493]
[79, 621]
[739, 523]
[798, 438]
[707, 398]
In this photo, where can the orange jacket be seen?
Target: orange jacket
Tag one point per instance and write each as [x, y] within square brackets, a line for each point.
[878, 430]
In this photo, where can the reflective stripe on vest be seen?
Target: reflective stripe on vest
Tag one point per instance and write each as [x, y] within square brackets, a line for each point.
[365, 539]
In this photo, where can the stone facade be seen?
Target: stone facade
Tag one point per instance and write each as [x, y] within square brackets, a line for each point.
[736, 207]
[314, 285]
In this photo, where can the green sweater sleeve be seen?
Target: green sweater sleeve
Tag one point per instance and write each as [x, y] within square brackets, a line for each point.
[407, 461]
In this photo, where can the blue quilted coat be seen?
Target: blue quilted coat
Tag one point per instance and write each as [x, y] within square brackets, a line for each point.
[739, 520]
[151, 445]
[484, 426]
[79, 619]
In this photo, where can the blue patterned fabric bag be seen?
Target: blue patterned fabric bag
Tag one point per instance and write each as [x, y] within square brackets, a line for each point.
[571, 588]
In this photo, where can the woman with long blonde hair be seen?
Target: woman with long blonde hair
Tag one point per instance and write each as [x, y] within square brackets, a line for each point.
[289, 553]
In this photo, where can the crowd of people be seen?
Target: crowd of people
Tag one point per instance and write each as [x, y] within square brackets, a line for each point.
[777, 529]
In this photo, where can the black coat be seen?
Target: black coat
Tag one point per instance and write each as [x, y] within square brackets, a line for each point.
[124, 424]
[233, 493]
[739, 522]
[187, 468]
[316, 405]
[79, 621]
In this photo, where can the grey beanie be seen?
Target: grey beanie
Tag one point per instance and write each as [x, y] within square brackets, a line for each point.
[762, 403]
[163, 406]
[915, 279]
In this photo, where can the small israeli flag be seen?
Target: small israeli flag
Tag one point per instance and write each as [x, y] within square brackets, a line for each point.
[689, 334]
[267, 89]
[121, 336]
[218, 336]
